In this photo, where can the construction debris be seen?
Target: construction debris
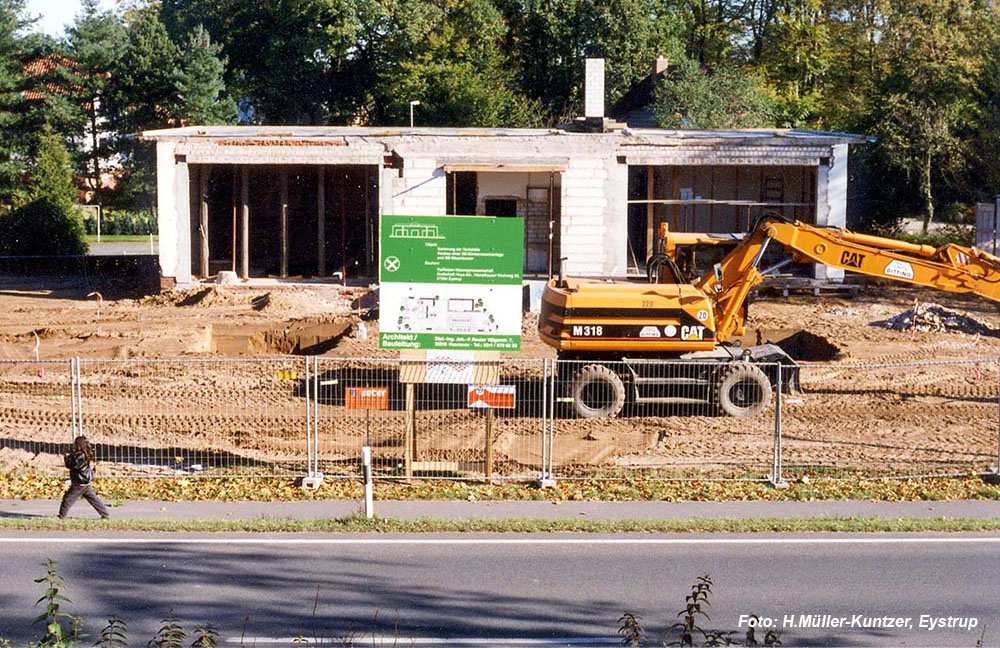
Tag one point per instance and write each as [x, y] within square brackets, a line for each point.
[935, 317]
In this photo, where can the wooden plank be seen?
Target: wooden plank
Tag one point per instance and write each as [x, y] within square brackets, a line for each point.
[410, 430]
[650, 211]
[245, 218]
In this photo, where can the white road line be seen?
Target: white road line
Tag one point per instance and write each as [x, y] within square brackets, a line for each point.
[429, 641]
[166, 540]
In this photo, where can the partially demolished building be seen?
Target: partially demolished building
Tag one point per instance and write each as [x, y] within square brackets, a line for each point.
[305, 201]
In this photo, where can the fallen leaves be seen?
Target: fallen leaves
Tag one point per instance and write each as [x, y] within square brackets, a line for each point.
[25, 486]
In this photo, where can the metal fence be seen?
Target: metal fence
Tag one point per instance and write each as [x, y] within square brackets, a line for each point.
[513, 419]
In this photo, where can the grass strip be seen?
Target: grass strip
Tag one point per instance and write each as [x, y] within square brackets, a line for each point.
[359, 524]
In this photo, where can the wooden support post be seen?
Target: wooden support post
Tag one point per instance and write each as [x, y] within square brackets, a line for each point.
[203, 172]
[711, 208]
[321, 222]
[488, 468]
[410, 430]
[343, 229]
[552, 219]
[675, 194]
[232, 250]
[284, 222]
[650, 211]
[245, 225]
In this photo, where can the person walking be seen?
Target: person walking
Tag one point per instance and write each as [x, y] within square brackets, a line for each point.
[81, 473]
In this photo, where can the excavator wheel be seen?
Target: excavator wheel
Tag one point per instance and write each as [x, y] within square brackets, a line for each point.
[743, 390]
[597, 391]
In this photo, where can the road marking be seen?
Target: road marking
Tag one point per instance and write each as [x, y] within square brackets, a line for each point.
[166, 540]
[387, 640]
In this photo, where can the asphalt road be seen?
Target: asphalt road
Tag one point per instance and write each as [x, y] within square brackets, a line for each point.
[509, 590]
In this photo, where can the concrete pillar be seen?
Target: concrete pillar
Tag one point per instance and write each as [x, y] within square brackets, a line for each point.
[616, 218]
[831, 201]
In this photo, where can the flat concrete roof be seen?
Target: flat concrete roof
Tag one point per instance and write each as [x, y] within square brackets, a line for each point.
[661, 136]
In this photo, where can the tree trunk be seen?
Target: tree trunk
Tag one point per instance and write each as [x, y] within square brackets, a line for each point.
[926, 192]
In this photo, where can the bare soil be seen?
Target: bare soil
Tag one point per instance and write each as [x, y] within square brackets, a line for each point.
[202, 408]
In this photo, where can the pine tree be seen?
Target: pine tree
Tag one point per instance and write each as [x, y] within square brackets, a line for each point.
[97, 43]
[200, 84]
[12, 103]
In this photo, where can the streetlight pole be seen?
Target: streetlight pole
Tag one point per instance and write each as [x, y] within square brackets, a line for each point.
[415, 102]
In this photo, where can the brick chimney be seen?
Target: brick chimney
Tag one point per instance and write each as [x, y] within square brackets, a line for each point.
[593, 89]
[660, 64]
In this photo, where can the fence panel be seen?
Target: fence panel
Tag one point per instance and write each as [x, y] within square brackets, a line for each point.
[670, 422]
[36, 414]
[418, 428]
[892, 419]
[158, 418]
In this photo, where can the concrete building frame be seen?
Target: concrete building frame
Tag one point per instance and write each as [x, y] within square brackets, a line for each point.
[278, 188]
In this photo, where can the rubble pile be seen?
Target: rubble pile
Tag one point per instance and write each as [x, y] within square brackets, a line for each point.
[937, 318]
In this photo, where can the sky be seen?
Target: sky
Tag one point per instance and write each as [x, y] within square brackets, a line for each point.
[56, 14]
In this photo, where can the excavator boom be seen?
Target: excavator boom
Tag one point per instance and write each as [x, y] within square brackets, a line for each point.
[622, 329]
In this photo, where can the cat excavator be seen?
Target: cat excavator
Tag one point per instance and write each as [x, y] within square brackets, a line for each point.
[620, 332]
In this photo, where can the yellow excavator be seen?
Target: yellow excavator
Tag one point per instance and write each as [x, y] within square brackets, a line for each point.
[620, 331]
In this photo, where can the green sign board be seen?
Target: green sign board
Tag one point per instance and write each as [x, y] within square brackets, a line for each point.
[451, 282]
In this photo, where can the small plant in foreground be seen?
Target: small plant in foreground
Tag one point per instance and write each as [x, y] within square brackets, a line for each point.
[170, 634]
[114, 634]
[53, 616]
[684, 632]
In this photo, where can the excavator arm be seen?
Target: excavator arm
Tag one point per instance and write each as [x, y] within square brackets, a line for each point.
[952, 268]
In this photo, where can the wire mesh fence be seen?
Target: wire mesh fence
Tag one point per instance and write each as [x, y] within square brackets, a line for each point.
[196, 417]
[509, 419]
[669, 419]
[905, 419]
[37, 413]
[477, 419]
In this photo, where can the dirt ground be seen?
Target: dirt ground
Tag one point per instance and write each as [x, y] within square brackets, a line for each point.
[891, 418]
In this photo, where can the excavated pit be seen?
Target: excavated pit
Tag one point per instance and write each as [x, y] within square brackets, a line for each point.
[809, 347]
[300, 337]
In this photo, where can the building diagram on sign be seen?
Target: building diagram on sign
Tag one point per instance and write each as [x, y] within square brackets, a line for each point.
[457, 314]
[415, 231]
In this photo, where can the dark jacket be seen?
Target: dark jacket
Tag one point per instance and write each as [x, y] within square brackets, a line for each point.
[80, 470]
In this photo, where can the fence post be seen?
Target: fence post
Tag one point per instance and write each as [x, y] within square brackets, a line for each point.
[548, 418]
[776, 479]
[73, 387]
[315, 418]
[306, 381]
[79, 398]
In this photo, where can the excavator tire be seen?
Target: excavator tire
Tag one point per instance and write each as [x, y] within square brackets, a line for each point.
[597, 391]
[743, 390]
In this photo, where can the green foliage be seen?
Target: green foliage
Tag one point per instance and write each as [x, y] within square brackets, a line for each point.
[169, 635]
[121, 221]
[200, 85]
[42, 227]
[692, 98]
[51, 176]
[206, 636]
[96, 41]
[114, 634]
[689, 631]
[52, 618]
[12, 103]
[925, 98]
